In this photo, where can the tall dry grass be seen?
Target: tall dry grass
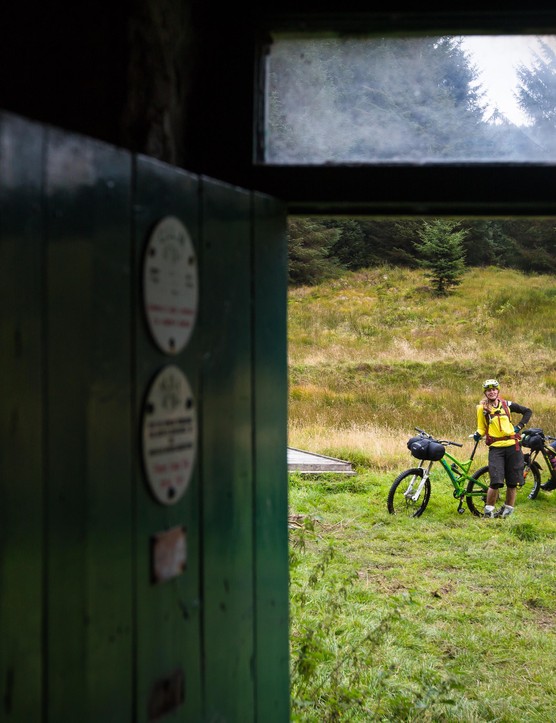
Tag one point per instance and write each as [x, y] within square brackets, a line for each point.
[374, 354]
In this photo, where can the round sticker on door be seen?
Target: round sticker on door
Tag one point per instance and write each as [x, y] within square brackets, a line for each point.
[169, 435]
[170, 289]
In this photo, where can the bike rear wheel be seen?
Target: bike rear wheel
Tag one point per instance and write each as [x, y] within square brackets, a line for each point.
[477, 491]
[531, 479]
[478, 486]
[401, 498]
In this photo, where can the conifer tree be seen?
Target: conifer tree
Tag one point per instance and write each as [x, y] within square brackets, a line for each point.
[358, 100]
[536, 96]
[309, 242]
[441, 253]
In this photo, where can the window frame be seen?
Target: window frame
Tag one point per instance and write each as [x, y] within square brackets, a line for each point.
[463, 189]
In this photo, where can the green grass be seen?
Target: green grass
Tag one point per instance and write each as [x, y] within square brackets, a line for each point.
[447, 617]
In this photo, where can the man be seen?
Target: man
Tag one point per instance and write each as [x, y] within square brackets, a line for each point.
[505, 458]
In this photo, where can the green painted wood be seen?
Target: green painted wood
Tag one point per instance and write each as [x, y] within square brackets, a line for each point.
[21, 421]
[89, 550]
[84, 631]
[270, 278]
[168, 615]
[227, 466]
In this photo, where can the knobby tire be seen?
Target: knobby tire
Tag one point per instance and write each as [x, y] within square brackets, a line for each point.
[476, 491]
[399, 504]
[481, 482]
[531, 480]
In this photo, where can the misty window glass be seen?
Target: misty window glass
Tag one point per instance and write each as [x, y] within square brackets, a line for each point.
[442, 99]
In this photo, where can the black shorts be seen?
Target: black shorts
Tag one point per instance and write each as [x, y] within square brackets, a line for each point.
[505, 463]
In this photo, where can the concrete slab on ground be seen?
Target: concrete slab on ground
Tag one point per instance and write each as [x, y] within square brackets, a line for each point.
[311, 463]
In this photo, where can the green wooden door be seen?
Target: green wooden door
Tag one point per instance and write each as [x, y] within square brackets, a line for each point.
[91, 625]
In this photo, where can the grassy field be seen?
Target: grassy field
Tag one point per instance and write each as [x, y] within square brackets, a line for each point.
[446, 617]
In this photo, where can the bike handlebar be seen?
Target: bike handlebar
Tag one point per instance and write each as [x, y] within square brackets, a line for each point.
[440, 441]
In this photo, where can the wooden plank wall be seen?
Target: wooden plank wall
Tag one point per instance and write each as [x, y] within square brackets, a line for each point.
[22, 405]
[84, 632]
[88, 517]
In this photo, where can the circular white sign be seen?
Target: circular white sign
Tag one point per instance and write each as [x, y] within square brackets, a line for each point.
[169, 435]
[170, 287]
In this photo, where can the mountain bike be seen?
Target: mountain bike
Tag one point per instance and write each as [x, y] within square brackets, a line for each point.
[411, 490]
[538, 461]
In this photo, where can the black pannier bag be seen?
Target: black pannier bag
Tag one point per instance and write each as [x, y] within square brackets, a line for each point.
[532, 438]
[427, 449]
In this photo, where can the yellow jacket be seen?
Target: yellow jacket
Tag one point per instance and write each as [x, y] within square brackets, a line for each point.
[499, 424]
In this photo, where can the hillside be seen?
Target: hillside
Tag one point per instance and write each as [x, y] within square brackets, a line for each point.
[444, 617]
[374, 353]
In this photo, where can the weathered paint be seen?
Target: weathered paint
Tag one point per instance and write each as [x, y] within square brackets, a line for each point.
[88, 511]
[227, 453]
[21, 420]
[270, 274]
[85, 630]
[169, 614]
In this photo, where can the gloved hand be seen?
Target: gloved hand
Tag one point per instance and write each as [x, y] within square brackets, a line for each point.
[517, 428]
[476, 436]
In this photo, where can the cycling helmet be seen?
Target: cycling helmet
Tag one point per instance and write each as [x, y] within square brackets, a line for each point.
[491, 384]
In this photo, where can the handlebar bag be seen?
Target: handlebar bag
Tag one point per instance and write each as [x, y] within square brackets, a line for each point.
[532, 438]
[426, 449]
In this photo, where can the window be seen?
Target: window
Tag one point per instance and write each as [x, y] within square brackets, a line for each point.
[410, 100]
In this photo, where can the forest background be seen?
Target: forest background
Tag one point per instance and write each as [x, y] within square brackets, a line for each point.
[321, 248]
[404, 99]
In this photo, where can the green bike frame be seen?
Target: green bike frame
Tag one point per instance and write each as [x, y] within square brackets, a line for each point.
[458, 474]
[457, 471]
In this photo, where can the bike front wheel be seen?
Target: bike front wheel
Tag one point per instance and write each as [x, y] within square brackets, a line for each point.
[410, 493]
[477, 489]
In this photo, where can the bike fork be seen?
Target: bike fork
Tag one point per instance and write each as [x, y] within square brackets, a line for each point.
[414, 495]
